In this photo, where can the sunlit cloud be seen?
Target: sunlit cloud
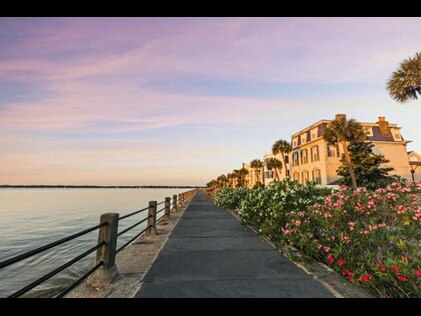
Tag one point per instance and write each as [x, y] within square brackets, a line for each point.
[181, 100]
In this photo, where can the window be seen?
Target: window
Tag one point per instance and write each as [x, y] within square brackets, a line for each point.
[330, 151]
[295, 159]
[304, 177]
[314, 153]
[303, 139]
[304, 157]
[269, 174]
[286, 159]
[338, 154]
[316, 176]
[314, 133]
[296, 176]
[294, 143]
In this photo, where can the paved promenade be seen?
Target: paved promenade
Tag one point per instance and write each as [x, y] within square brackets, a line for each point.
[210, 254]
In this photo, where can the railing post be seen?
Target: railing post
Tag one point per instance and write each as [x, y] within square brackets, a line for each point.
[174, 203]
[108, 234]
[167, 208]
[151, 231]
[180, 203]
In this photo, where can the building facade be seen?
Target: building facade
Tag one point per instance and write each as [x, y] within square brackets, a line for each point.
[313, 159]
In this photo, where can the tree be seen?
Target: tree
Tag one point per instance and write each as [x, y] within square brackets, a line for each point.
[240, 175]
[230, 178]
[222, 180]
[257, 165]
[283, 147]
[273, 163]
[342, 131]
[405, 82]
[366, 166]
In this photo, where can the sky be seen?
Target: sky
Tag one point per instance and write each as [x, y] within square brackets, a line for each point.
[179, 101]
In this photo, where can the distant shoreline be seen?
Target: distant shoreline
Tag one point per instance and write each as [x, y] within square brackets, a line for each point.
[99, 186]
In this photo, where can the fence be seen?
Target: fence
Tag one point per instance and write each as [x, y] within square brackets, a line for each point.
[106, 251]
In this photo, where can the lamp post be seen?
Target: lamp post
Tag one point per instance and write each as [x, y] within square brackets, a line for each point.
[412, 164]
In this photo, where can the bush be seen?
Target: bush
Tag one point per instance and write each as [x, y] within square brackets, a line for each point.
[266, 208]
[373, 238]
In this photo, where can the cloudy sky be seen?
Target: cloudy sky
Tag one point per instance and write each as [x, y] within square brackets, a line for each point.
[183, 100]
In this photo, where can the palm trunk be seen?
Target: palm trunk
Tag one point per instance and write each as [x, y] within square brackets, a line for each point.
[263, 177]
[348, 162]
[283, 163]
[277, 174]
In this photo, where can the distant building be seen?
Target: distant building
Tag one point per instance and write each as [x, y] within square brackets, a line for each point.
[270, 174]
[313, 159]
[254, 176]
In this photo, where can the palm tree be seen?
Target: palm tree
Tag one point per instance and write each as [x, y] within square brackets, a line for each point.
[256, 164]
[283, 147]
[342, 131]
[405, 82]
[235, 177]
[274, 163]
[222, 180]
[241, 174]
[229, 179]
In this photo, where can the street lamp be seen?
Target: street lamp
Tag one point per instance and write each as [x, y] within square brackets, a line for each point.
[414, 165]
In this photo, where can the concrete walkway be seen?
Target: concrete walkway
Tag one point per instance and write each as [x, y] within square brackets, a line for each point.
[210, 254]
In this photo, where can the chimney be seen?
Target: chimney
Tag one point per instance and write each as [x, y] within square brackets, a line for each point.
[243, 164]
[384, 126]
[340, 117]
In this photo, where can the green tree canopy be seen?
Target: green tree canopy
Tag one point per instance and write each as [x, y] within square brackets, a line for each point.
[366, 165]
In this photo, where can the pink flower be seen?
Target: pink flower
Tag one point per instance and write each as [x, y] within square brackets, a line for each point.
[326, 248]
[404, 259]
[331, 258]
[395, 268]
[402, 278]
[351, 276]
[417, 273]
[366, 278]
[341, 262]
[380, 266]
[319, 246]
[345, 272]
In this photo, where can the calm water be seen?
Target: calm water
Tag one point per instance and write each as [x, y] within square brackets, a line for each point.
[30, 218]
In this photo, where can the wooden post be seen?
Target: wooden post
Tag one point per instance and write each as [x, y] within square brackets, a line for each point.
[108, 234]
[167, 208]
[180, 202]
[151, 231]
[174, 205]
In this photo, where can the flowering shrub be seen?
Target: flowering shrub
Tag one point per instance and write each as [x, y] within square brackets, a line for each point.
[371, 238]
[266, 208]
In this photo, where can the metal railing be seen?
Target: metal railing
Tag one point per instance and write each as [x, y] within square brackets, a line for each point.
[107, 242]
